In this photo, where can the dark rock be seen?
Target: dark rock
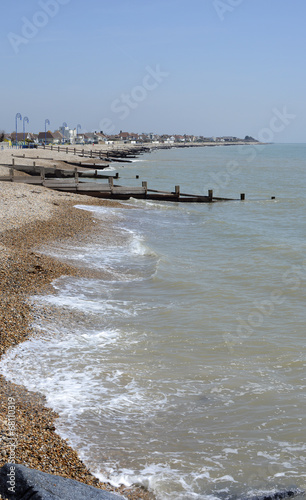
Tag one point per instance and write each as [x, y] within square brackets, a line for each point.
[21, 483]
[276, 495]
[279, 495]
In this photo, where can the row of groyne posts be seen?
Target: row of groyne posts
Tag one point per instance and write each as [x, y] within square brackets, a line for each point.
[124, 153]
[111, 190]
[128, 153]
[88, 170]
[184, 196]
[117, 191]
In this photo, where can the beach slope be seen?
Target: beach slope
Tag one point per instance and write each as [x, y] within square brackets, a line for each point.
[31, 216]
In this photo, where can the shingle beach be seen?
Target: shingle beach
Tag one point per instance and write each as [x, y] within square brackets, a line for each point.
[32, 216]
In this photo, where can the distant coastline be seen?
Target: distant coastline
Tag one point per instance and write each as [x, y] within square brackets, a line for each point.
[65, 135]
[124, 145]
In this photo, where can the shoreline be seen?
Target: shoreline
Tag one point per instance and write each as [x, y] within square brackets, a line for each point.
[32, 216]
[24, 272]
[124, 146]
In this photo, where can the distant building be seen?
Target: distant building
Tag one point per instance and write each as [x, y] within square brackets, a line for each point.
[65, 131]
[101, 137]
[127, 136]
[57, 137]
[28, 137]
[91, 138]
[45, 137]
[229, 138]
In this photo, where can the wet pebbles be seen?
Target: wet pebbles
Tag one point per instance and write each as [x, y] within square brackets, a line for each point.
[29, 218]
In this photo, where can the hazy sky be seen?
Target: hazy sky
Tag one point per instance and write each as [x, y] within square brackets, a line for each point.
[203, 67]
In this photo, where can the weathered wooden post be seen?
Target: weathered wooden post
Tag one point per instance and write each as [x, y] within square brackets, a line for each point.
[42, 174]
[82, 152]
[242, 196]
[51, 147]
[111, 182]
[12, 174]
[210, 195]
[117, 175]
[13, 162]
[58, 149]
[177, 191]
[34, 163]
[76, 175]
[74, 151]
[91, 153]
[66, 150]
[145, 186]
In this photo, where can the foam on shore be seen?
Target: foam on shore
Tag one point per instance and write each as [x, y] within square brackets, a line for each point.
[31, 217]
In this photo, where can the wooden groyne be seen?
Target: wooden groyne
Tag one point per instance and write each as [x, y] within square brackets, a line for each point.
[88, 163]
[122, 155]
[56, 172]
[110, 190]
[70, 180]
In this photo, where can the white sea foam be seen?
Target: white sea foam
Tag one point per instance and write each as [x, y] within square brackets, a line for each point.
[158, 478]
[108, 169]
[121, 261]
[106, 211]
[231, 450]
[155, 205]
[136, 364]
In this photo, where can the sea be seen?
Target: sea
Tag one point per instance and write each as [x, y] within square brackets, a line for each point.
[180, 364]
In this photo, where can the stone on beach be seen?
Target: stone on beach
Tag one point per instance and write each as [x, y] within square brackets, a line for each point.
[29, 483]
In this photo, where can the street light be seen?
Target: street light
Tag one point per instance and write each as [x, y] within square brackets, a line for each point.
[25, 120]
[18, 116]
[46, 123]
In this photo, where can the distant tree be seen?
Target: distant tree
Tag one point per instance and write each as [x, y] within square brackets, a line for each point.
[249, 138]
[1, 135]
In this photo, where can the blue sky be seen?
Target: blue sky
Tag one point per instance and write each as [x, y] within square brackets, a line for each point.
[203, 67]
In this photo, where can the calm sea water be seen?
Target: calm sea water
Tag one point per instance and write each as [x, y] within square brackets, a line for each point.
[183, 368]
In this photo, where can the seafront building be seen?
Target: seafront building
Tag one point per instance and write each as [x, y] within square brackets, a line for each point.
[65, 135]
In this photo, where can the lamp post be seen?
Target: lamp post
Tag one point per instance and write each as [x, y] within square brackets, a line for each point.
[18, 117]
[47, 122]
[64, 125]
[25, 120]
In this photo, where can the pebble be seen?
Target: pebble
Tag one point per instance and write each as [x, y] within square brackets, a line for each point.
[30, 218]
